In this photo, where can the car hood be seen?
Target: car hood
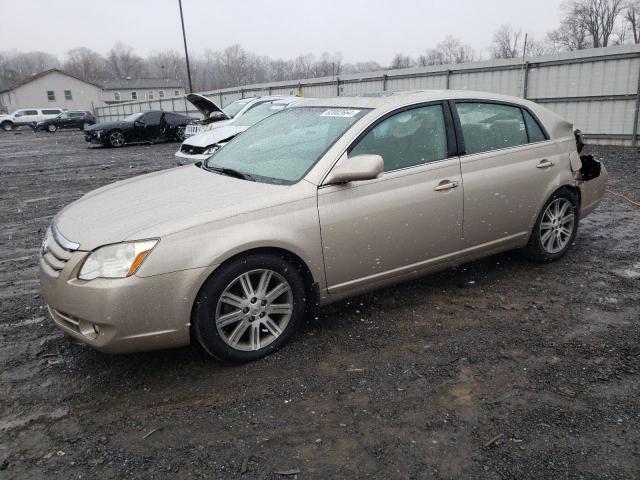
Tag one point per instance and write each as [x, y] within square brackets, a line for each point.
[205, 105]
[161, 203]
[108, 126]
[210, 137]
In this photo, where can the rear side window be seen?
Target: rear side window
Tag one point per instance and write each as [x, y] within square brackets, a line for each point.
[407, 139]
[490, 126]
[533, 128]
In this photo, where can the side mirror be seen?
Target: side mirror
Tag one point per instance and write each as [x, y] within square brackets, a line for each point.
[138, 122]
[353, 169]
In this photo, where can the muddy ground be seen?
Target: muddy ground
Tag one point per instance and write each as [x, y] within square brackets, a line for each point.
[500, 369]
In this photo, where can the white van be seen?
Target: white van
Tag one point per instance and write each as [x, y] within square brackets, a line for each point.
[27, 116]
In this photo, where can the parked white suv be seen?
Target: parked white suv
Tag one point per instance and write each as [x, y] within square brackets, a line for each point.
[27, 116]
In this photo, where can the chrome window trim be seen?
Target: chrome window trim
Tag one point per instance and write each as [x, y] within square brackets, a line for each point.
[62, 241]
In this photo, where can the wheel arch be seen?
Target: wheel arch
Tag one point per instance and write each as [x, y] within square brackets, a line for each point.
[311, 286]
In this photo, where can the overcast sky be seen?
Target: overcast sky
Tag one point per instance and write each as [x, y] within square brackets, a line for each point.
[360, 29]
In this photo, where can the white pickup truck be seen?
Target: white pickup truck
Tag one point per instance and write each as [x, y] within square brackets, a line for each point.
[27, 116]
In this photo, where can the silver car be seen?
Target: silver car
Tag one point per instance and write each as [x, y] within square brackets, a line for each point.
[322, 201]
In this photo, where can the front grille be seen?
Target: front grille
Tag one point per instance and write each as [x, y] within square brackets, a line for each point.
[55, 252]
[192, 150]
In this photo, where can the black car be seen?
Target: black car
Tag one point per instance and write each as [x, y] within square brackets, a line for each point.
[71, 119]
[143, 127]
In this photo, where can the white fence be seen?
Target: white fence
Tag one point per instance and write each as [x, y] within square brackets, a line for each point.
[597, 89]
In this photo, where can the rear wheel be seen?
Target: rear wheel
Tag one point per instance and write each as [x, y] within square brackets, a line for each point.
[249, 308]
[7, 126]
[52, 128]
[556, 228]
[116, 139]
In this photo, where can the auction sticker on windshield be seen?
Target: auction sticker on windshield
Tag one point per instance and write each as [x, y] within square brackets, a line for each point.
[340, 112]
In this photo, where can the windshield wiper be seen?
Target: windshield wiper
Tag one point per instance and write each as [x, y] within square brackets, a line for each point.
[230, 172]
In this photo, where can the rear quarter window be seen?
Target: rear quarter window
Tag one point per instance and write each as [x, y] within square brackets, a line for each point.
[536, 134]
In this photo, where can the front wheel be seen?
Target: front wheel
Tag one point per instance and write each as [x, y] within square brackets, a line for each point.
[116, 139]
[52, 128]
[249, 308]
[7, 126]
[556, 228]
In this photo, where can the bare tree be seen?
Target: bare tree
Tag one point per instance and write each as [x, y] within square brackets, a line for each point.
[599, 18]
[402, 61]
[572, 35]
[507, 42]
[124, 63]
[450, 50]
[85, 63]
[632, 17]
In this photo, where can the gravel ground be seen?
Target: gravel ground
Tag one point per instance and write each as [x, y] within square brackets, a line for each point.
[499, 369]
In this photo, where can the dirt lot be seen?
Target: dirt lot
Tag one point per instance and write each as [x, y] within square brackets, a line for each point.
[500, 369]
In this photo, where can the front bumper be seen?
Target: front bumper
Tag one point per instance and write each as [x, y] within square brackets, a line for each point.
[121, 315]
[186, 158]
[94, 137]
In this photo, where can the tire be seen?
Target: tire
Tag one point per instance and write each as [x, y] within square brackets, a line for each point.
[555, 229]
[247, 317]
[116, 139]
[52, 128]
[7, 126]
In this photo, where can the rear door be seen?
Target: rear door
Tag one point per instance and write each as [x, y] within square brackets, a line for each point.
[507, 167]
[406, 219]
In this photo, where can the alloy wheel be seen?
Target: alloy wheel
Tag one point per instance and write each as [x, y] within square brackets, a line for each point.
[116, 139]
[556, 227]
[254, 310]
[52, 128]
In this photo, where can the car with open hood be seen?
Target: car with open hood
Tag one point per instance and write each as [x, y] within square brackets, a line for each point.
[322, 201]
[152, 126]
[201, 146]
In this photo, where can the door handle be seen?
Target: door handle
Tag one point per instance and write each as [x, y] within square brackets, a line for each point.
[445, 185]
[544, 164]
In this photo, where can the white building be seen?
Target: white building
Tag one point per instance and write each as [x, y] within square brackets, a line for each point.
[55, 88]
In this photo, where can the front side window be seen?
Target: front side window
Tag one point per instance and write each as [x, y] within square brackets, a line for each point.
[67, 95]
[134, 95]
[283, 147]
[152, 118]
[35, 112]
[116, 96]
[406, 139]
[133, 117]
[51, 95]
[490, 126]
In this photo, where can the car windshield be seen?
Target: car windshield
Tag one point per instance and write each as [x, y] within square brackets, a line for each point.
[257, 113]
[133, 117]
[283, 147]
[232, 109]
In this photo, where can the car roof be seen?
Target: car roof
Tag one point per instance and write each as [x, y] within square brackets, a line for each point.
[387, 101]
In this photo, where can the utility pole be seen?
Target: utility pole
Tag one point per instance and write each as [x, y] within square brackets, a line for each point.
[186, 53]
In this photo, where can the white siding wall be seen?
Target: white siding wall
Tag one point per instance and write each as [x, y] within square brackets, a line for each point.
[34, 94]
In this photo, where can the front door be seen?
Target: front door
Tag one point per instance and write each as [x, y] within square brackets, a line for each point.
[407, 219]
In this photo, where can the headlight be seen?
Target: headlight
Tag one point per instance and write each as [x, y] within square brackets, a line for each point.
[119, 260]
[211, 150]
